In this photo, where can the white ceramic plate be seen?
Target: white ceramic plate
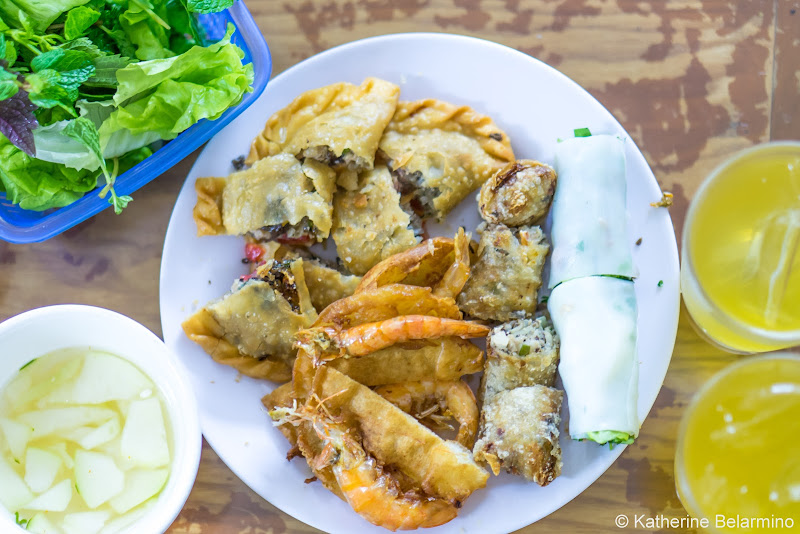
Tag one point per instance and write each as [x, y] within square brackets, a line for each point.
[535, 105]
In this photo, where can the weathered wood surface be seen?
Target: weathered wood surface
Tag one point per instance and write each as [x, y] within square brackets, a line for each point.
[691, 81]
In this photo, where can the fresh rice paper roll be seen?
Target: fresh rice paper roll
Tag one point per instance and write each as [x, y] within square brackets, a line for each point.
[595, 318]
[589, 232]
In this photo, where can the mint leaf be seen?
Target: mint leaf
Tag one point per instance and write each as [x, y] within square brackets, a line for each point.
[74, 66]
[105, 70]
[79, 20]
[17, 121]
[45, 91]
[8, 84]
[208, 6]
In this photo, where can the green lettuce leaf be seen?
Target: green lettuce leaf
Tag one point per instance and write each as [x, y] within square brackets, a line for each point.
[169, 95]
[39, 185]
[208, 6]
[36, 15]
[146, 28]
[611, 437]
[79, 20]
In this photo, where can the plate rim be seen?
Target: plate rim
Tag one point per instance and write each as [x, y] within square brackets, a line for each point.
[671, 327]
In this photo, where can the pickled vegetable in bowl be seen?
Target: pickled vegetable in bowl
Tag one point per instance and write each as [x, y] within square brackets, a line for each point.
[85, 443]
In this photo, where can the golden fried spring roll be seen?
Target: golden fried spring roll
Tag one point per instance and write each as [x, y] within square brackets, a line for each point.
[519, 433]
[520, 353]
[507, 275]
[521, 411]
[518, 194]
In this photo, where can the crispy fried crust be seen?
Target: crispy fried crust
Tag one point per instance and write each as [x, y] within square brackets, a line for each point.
[385, 302]
[451, 150]
[518, 194]
[252, 327]
[204, 330]
[339, 117]
[443, 359]
[441, 468]
[506, 365]
[422, 265]
[519, 433]
[506, 278]
[207, 212]
[368, 224]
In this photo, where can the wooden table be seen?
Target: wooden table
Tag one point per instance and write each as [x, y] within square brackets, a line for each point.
[692, 82]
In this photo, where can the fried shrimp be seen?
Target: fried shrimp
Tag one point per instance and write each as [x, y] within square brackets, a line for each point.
[373, 493]
[369, 337]
[436, 400]
[457, 274]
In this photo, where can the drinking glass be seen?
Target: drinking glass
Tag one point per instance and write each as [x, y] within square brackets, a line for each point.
[740, 254]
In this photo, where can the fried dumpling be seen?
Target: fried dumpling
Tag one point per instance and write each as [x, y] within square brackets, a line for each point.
[339, 125]
[439, 153]
[277, 198]
[369, 225]
[252, 327]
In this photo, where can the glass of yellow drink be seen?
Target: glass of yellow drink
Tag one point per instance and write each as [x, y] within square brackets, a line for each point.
[737, 463]
[740, 265]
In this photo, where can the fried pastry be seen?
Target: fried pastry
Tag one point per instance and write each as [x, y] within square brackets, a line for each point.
[439, 153]
[519, 433]
[277, 198]
[440, 467]
[507, 275]
[518, 194]
[369, 225]
[521, 410]
[251, 328]
[339, 125]
[520, 353]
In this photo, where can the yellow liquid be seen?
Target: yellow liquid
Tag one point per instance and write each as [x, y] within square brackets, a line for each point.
[744, 249]
[739, 453]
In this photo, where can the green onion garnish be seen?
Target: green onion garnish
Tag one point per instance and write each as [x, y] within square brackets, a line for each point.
[524, 350]
[582, 132]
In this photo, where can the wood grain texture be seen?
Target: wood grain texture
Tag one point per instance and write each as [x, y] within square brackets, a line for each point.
[692, 81]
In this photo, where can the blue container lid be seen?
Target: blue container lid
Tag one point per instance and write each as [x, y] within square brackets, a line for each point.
[25, 226]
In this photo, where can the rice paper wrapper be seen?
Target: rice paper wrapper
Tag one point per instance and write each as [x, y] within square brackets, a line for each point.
[595, 317]
[589, 231]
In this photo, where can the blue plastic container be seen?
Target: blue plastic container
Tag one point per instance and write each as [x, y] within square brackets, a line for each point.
[23, 226]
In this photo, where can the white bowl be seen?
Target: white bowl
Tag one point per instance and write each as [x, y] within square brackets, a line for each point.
[43, 330]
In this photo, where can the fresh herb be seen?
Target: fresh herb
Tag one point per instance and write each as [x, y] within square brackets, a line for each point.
[84, 84]
[619, 276]
[582, 132]
[27, 364]
[660, 283]
[21, 522]
[524, 350]
[545, 299]
[612, 437]
[208, 6]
